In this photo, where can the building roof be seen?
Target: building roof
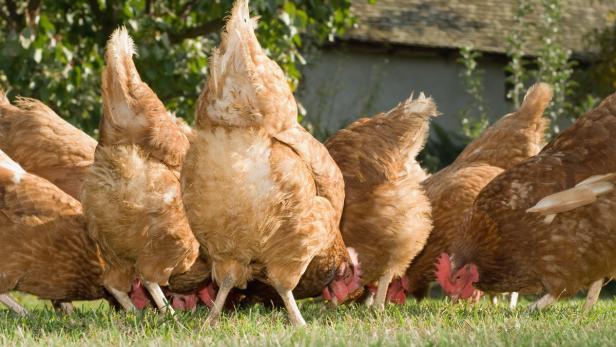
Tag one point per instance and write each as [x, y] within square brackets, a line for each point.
[482, 24]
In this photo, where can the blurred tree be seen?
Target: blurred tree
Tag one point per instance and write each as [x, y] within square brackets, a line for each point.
[53, 50]
[603, 77]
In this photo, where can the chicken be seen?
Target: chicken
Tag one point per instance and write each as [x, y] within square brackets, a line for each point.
[43, 240]
[453, 189]
[45, 144]
[573, 246]
[131, 195]
[386, 213]
[261, 194]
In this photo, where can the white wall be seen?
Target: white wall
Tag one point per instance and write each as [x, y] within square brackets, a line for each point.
[343, 84]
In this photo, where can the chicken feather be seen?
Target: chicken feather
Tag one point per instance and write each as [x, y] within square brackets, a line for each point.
[386, 214]
[45, 144]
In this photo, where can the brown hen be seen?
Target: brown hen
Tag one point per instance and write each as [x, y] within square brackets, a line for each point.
[45, 144]
[452, 190]
[131, 195]
[43, 240]
[262, 196]
[506, 248]
[386, 213]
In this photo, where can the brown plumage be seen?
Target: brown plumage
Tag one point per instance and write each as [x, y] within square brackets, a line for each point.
[45, 144]
[43, 240]
[515, 250]
[452, 190]
[386, 214]
[262, 196]
[132, 194]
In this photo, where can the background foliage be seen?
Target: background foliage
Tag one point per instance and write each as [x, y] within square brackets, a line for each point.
[53, 50]
[577, 88]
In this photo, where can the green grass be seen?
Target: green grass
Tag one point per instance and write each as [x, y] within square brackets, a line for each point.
[432, 322]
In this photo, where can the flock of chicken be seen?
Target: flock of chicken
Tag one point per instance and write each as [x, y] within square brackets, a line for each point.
[248, 207]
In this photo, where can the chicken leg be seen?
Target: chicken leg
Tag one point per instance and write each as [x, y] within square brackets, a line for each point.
[122, 298]
[494, 299]
[542, 303]
[513, 301]
[369, 301]
[159, 297]
[13, 305]
[593, 295]
[381, 291]
[227, 284]
[63, 307]
[295, 316]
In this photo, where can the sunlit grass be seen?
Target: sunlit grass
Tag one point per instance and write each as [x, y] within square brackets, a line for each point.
[432, 322]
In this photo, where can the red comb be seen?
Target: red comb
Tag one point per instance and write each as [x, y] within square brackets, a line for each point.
[443, 271]
[396, 292]
[182, 302]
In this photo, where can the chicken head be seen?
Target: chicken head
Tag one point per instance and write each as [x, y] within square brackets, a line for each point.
[346, 280]
[458, 284]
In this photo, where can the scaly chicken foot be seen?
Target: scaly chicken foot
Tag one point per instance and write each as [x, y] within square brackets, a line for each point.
[295, 316]
[593, 295]
[223, 291]
[123, 299]
[381, 291]
[513, 301]
[159, 297]
[13, 305]
[542, 303]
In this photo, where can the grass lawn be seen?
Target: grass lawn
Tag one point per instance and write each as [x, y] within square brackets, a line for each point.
[433, 322]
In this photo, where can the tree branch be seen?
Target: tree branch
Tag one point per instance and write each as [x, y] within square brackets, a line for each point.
[107, 18]
[204, 29]
[14, 18]
[95, 9]
[187, 8]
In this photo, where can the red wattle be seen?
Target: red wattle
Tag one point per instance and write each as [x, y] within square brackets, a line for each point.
[138, 295]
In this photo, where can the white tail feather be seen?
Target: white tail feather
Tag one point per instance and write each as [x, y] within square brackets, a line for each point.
[584, 193]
